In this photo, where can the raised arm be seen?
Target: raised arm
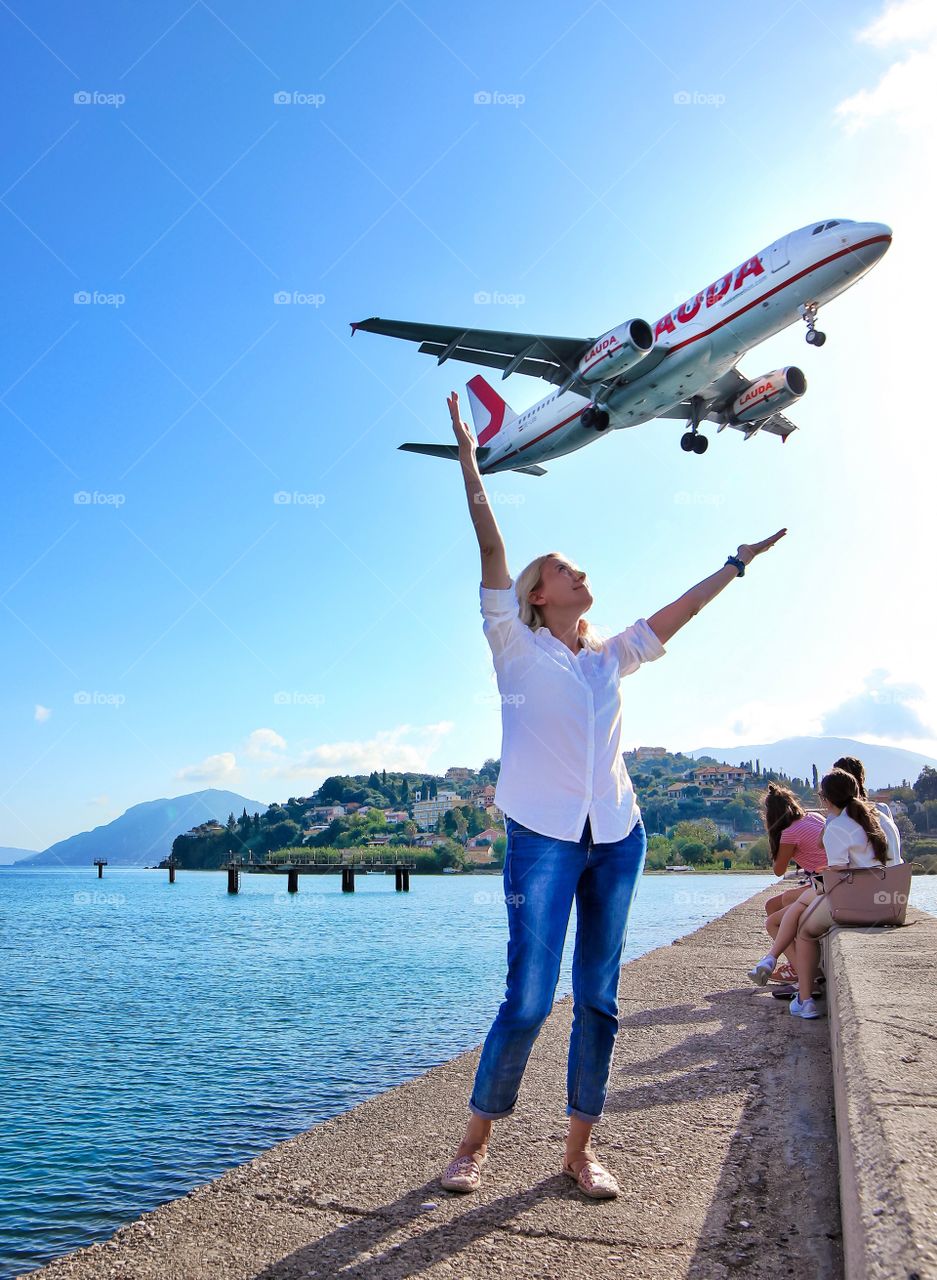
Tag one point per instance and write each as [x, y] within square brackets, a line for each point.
[667, 622]
[490, 543]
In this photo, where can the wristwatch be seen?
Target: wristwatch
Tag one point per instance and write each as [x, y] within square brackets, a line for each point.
[739, 564]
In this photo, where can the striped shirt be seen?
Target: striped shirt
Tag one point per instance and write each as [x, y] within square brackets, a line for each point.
[801, 842]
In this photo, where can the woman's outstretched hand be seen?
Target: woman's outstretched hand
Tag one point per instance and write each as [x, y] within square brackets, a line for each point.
[748, 551]
[463, 435]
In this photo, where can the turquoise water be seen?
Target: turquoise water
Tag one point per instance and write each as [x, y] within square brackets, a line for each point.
[156, 1034]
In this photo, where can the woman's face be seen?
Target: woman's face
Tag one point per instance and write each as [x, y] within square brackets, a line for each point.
[562, 585]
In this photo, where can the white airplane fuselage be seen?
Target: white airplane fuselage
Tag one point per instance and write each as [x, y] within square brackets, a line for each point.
[703, 338]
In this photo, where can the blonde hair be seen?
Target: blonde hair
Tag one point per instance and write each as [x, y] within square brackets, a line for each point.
[528, 580]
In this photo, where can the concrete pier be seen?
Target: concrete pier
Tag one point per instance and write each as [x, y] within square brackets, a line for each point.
[719, 1126]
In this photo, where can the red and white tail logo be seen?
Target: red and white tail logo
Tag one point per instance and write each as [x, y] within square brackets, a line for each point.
[489, 411]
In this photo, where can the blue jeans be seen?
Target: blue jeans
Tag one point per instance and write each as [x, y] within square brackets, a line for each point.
[541, 877]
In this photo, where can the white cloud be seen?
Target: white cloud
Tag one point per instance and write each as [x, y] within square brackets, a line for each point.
[42, 713]
[906, 93]
[884, 709]
[219, 768]
[407, 748]
[263, 744]
[905, 21]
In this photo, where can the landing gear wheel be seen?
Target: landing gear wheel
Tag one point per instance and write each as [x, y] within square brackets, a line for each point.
[601, 420]
[700, 444]
[687, 442]
[809, 314]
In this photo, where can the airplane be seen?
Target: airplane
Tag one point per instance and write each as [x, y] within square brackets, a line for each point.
[683, 367]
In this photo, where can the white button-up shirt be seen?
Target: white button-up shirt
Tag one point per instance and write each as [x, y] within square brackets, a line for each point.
[561, 753]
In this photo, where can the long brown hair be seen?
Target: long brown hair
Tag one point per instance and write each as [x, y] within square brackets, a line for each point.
[853, 765]
[841, 788]
[781, 808]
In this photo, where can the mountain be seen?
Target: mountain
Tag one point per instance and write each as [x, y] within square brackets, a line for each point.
[884, 766]
[143, 835]
[9, 855]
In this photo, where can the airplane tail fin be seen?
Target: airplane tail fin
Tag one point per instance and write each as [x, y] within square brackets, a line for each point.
[490, 411]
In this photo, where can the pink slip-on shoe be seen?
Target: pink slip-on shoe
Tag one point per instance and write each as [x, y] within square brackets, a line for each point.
[594, 1179]
[464, 1173]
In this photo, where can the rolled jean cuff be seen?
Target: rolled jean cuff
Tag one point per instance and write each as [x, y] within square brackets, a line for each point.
[489, 1115]
[581, 1115]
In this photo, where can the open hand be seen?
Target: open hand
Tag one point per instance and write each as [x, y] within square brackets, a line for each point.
[463, 435]
[748, 551]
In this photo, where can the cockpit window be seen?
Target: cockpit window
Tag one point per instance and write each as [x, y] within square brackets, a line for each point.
[832, 224]
[825, 226]
[816, 229]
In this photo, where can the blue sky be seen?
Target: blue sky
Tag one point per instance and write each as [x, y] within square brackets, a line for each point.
[182, 628]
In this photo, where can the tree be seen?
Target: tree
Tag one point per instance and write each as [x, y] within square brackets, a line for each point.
[703, 830]
[926, 786]
[759, 853]
[694, 853]
[906, 829]
[816, 778]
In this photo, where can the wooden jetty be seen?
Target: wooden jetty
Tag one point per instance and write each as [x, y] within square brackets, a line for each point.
[325, 863]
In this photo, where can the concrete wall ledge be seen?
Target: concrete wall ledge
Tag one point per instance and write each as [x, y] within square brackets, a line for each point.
[882, 1004]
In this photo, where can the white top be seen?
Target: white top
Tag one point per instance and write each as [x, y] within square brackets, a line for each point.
[561, 752]
[847, 844]
[890, 827]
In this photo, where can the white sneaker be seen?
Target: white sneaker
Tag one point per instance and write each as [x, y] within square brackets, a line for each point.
[805, 1008]
[762, 971]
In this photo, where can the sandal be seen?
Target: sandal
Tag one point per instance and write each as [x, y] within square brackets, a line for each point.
[594, 1180]
[464, 1173]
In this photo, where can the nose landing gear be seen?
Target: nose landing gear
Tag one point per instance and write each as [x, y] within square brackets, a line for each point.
[692, 441]
[594, 416]
[809, 315]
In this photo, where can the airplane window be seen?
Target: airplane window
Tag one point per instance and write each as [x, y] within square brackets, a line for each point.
[816, 229]
[832, 224]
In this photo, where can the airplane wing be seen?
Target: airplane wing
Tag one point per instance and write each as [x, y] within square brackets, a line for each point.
[718, 396]
[536, 354]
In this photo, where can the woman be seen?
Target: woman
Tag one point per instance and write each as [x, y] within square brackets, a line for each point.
[793, 836]
[784, 930]
[854, 766]
[853, 837]
[574, 828]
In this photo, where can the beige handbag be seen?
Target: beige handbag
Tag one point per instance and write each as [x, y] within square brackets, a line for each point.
[867, 895]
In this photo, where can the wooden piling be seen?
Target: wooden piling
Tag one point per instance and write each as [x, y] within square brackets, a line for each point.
[292, 880]
[234, 881]
[100, 863]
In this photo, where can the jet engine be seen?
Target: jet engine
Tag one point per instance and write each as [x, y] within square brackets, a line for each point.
[768, 394]
[616, 351]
